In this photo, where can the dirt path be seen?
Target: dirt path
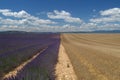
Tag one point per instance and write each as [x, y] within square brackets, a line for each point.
[16, 70]
[64, 68]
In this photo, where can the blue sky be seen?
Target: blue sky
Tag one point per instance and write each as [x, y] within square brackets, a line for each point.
[59, 15]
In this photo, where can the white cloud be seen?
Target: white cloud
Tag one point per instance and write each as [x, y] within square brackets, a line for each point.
[20, 14]
[108, 20]
[105, 19]
[108, 27]
[9, 22]
[96, 27]
[24, 15]
[110, 15]
[22, 20]
[88, 27]
[66, 16]
[111, 12]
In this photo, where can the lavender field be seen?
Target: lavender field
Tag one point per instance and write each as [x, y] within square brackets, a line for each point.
[18, 48]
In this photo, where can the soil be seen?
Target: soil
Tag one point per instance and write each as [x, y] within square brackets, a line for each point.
[64, 68]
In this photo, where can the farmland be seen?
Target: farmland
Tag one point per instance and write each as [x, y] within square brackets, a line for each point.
[94, 56]
[54, 56]
[28, 50]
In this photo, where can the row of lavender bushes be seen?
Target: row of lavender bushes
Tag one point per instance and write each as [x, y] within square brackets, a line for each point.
[42, 67]
[17, 48]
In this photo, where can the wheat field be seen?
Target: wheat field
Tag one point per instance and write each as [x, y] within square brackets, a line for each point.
[94, 56]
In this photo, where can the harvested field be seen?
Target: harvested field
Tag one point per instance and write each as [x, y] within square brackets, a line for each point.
[94, 56]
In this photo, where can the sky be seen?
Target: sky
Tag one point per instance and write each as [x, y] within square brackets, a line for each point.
[59, 15]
